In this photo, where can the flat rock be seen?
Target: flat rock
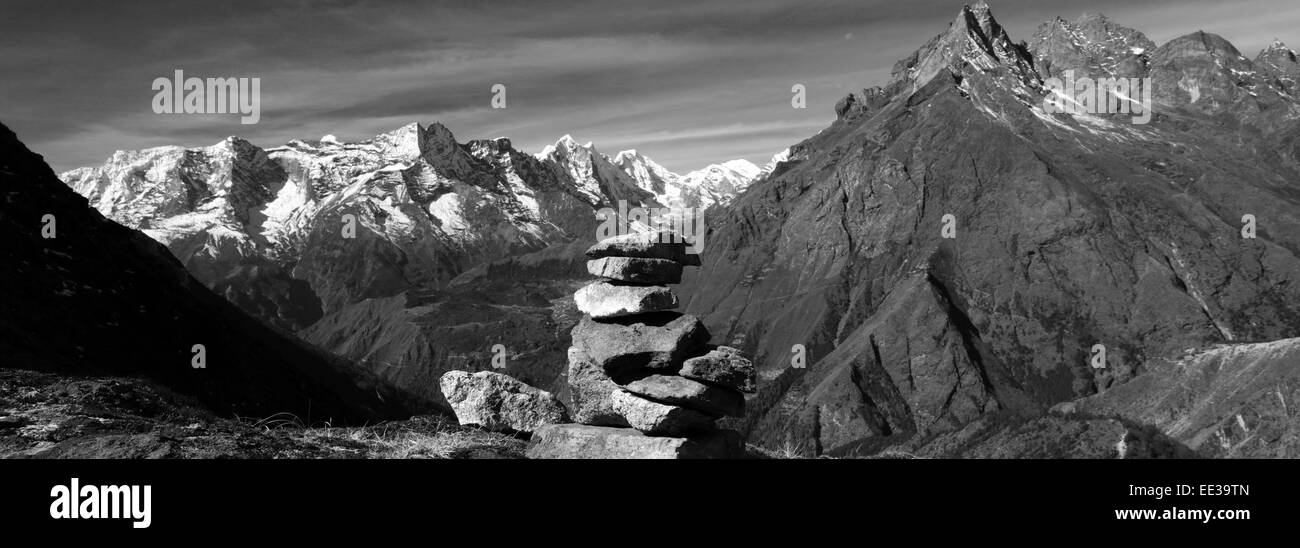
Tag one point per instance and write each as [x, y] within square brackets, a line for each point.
[684, 392]
[632, 348]
[589, 392]
[637, 270]
[608, 300]
[578, 441]
[723, 366]
[499, 402]
[656, 418]
[664, 244]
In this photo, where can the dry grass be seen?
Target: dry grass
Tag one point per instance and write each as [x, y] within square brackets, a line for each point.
[426, 437]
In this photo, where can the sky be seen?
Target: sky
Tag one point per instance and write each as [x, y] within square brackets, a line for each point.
[687, 83]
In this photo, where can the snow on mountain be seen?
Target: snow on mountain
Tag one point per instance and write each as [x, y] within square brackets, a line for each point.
[420, 209]
[1092, 46]
[718, 183]
[648, 174]
[702, 188]
[1279, 64]
[266, 227]
[770, 166]
[593, 173]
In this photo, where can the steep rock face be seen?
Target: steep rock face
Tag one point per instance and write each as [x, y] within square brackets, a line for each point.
[1092, 46]
[1231, 401]
[649, 175]
[1279, 64]
[99, 298]
[1067, 232]
[1203, 71]
[976, 40]
[593, 173]
[208, 206]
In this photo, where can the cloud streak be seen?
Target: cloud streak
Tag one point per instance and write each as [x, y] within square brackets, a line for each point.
[686, 82]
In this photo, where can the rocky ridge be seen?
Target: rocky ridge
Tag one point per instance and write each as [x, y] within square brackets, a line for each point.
[1071, 231]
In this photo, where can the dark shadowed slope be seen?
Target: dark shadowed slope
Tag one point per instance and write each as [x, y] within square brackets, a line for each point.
[102, 299]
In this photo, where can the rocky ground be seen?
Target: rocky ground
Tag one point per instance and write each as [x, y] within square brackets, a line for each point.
[53, 416]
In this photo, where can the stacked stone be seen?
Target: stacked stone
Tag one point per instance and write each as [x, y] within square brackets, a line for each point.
[643, 382]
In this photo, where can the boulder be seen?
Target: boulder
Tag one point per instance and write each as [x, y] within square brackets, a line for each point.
[578, 441]
[637, 270]
[723, 366]
[608, 300]
[499, 402]
[664, 244]
[589, 392]
[684, 392]
[656, 418]
[633, 348]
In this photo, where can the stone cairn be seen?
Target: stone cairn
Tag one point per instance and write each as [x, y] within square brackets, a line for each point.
[643, 381]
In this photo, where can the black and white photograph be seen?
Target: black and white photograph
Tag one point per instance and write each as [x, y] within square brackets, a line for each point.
[882, 239]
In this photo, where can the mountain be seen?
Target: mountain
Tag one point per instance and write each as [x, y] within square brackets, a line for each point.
[947, 270]
[266, 227]
[593, 172]
[648, 174]
[88, 296]
[1092, 46]
[403, 253]
[1228, 401]
[716, 184]
[1067, 231]
[1279, 64]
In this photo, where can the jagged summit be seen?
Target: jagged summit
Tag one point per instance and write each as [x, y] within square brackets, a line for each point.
[565, 143]
[1092, 45]
[974, 41]
[1278, 47]
[1280, 65]
[919, 333]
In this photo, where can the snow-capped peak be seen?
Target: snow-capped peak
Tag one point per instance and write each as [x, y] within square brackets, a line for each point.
[566, 143]
[648, 174]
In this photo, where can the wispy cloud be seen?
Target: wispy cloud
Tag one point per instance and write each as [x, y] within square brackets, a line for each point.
[688, 82]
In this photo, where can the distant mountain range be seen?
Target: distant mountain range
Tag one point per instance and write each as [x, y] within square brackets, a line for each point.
[430, 216]
[263, 226]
